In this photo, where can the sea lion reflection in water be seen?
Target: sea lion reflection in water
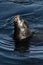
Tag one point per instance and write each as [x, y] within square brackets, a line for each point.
[22, 34]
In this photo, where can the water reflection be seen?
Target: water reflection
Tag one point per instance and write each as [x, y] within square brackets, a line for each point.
[22, 46]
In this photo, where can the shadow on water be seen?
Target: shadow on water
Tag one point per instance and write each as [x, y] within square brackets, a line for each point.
[22, 45]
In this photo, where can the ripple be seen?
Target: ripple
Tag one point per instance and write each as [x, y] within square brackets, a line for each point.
[33, 13]
[6, 42]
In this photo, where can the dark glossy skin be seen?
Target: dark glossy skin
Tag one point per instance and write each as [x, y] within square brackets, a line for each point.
[22, 30]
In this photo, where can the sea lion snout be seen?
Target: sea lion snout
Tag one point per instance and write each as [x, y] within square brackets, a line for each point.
[16, 18]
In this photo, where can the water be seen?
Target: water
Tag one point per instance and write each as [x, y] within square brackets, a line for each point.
[32, 11]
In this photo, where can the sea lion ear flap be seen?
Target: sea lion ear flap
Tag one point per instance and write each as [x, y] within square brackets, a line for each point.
[22, 20]
[26, 23]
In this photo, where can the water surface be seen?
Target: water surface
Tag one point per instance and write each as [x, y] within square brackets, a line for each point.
[32, 11]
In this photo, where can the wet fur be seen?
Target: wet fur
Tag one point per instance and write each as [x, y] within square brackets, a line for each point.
[22, 30]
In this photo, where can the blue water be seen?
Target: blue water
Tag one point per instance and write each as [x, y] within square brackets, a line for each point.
[32, 11]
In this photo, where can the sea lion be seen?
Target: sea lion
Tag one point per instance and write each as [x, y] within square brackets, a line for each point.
[22, 30]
